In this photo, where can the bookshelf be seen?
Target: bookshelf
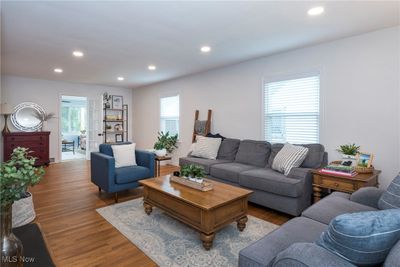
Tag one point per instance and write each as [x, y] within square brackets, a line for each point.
[115, 124]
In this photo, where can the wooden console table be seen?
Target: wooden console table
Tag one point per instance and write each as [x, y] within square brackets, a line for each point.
[342, 184]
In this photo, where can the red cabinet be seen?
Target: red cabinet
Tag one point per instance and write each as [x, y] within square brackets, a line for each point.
[38, 142]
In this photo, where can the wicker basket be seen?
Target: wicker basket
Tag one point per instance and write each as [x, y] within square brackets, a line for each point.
[365, 169]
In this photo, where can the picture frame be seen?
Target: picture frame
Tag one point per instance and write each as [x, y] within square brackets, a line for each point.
[118, 138]
[117, 101]
[364, 160]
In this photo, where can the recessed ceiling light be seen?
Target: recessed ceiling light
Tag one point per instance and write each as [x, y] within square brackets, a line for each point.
[205, 49]
[121, 78]
[315, 11]
[77, 53]
[152, 67]
[58, 70]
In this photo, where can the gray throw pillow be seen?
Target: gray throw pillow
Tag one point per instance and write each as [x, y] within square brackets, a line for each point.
[363, 238]
[390, 199]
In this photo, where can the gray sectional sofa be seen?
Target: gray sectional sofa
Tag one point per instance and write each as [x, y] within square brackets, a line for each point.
[293, 245]
[247, 164]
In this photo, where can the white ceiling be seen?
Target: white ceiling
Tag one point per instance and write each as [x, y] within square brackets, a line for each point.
[122, 38]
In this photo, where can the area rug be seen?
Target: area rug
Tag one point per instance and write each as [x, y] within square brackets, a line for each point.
[170, 243]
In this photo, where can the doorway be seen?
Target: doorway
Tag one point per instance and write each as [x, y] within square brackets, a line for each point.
[74, 124]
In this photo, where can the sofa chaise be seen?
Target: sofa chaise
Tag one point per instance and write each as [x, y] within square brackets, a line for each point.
[247, 164]
[293, 243]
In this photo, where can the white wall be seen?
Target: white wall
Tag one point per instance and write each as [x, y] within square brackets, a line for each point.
[359, 94]
[48, 95]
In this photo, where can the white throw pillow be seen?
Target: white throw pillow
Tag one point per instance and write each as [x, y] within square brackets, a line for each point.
[206, 147]
[124, 155]
[289, 157]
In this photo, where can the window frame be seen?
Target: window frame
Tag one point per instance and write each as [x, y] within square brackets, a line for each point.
[166, 95]
[292, 76]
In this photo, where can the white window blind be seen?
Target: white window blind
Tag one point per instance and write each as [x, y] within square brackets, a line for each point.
[291, 111]
[169, 114]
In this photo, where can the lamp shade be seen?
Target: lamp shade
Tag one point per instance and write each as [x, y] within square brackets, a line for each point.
[5, 109]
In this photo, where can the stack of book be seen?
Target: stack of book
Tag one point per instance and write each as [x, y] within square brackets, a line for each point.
[341, 170]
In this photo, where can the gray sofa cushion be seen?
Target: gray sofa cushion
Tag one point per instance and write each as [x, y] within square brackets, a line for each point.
[393, 258]
[254, 153]
[314, 159]
[331, 206]
[262, 252]
[271, 181]
[205, 163]
[229, 171]
[228, 149]
[308, 254]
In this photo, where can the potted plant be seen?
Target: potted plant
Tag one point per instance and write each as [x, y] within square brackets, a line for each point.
[193, 172]
[15, 176]
[44, 118]
[349, 151]
[106, 100]
[165, 143]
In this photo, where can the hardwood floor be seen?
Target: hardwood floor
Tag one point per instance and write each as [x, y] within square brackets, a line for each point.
[66, 202]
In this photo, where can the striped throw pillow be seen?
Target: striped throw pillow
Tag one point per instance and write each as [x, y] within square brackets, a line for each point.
[289, 157]
[206, 147]
[390, 199]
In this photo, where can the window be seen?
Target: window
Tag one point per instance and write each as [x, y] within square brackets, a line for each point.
[73, 119]
[169, 114]
[291, 111]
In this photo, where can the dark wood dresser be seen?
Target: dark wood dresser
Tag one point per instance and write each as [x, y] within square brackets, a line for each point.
[38, 142]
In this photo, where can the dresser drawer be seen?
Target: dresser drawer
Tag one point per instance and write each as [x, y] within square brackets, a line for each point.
[24, 138]
[336, 184]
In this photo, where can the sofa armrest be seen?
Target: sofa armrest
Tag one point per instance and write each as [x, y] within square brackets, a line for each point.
[308, 254]
[368, 196]
[300, 173]
[102, 168]
[145, 159]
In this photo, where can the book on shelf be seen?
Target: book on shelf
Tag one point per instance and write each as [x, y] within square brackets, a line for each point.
[339, 173]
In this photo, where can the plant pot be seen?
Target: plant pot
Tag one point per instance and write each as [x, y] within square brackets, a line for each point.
[11, 246]
[161, 152]
[348, 157]
[23, 211]
[44, 126]
[199, 180]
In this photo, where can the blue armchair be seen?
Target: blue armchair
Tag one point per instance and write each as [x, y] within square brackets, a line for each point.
[111, 179]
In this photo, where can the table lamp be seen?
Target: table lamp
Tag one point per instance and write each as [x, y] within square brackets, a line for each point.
[6, 111]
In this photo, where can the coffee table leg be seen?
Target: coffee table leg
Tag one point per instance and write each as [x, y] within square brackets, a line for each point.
[241, 223]
[147, 208]
[207, 240]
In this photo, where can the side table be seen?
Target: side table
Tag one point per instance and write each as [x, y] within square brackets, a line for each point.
[157, 166]
[342, 184]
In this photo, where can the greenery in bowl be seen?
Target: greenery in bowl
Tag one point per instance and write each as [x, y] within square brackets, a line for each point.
[16, 175]
[193, 171]
[164, 140]
[349, 149]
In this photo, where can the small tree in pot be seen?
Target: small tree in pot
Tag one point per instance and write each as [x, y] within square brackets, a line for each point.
[348, 151]
[15, 176]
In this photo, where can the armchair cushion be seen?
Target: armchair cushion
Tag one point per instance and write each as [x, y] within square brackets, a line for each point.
[107, 149]
[368, 196]
[130, 174]
[363, 238]
[308, 254]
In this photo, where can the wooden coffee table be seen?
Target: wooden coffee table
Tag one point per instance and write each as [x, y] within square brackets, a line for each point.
[206, 212]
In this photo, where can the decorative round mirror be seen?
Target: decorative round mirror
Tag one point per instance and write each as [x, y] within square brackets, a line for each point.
[26, 117]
